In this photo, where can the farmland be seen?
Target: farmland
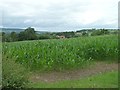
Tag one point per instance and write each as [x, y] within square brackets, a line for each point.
[62, 54]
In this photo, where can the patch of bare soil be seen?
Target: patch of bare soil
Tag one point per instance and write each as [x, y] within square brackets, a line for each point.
[100, 67]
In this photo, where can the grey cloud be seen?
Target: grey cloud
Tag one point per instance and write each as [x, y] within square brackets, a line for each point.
[52, 15]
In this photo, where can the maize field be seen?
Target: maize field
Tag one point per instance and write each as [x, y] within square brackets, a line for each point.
[62, 54]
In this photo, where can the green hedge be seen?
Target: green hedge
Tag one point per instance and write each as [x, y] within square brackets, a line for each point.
[14, 75]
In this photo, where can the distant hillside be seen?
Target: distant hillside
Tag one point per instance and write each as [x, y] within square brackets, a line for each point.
[17, 30]
[42, 32]
[9, 30]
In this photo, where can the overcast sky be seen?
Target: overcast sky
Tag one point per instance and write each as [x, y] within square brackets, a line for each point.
[59, 15]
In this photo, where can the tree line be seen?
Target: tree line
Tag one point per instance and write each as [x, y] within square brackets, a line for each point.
[27, 34]
[30, 34]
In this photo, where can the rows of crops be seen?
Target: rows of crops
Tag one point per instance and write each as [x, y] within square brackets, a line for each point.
[62, 54]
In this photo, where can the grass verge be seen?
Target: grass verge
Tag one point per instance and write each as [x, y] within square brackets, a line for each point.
[103, 80]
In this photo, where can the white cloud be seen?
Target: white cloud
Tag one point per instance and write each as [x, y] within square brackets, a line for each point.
[28, 21]
[60, 14]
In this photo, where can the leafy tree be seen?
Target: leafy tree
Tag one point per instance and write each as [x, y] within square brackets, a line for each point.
[28, 34]
[84, 34]
[21, 36]
[100, 32]
[44, 37]
[66, 34]
[96, 32]
[13, 36]
[3, 37]
[6, 37]
[104, 31]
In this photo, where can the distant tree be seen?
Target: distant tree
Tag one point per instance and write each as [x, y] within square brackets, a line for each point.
[13, 36]
[28, 34]
[66, 34]
[96, 32]
[3, 33]
[21, 36]
[44, 37]
[7, 37]
[3, 37]
[115, 32]
[100, 32]
[84, 34]
[104, 31]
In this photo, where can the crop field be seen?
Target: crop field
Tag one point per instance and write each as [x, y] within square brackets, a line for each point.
[62, 54]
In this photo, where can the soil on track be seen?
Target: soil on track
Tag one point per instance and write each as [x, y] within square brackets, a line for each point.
[99, 67]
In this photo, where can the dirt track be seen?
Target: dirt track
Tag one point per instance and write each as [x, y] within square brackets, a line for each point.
[70, 75]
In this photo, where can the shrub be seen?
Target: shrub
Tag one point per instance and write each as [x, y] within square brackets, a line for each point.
[13, 74]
